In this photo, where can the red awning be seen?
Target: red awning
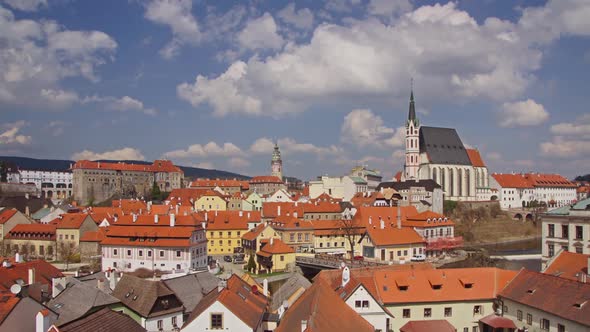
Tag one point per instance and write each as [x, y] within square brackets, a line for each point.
[498, 322]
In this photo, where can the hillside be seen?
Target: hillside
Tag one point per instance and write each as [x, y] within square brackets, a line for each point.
[62, 165]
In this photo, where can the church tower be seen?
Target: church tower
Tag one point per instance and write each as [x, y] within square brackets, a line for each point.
[277, 163]
[412, 164]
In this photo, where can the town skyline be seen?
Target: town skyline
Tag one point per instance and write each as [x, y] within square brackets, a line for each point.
[215, 85]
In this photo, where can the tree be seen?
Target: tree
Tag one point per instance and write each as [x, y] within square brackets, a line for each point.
[251, 266]
[3, 172]
[68, 253]
[350, 229]
[156, 193]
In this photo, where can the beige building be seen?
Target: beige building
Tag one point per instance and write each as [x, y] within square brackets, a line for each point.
[10, 218]
[275, 256]
[70, 228]
[32, 241]
[294, 232]
[266, 185]
[95, 181]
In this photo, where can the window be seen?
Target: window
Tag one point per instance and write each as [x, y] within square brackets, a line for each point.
[551, 249]
[149, 253]
[427, 312]
[357, 304]
[128, 252]
[465, 329]
[365, 304]
[216, 321]
[560, 328]
[115, 252]
[565, 231]
[544, 324]
[140, 253]
[579, 233]
[579, 250]
[292, 237]
[178, 253]
[160, 324]
[519, 315]
[477, 310]
[161, 253]
[529, 319]
[474, 329]
[282, 258]
[448, 312]
[228, 234]
[306, 237]
[406, 313]
[551, 230]
[299, 237]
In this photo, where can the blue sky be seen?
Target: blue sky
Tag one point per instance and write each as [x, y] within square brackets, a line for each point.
[214, 83]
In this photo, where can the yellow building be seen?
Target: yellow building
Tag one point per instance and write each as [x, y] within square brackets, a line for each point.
[332, 237]
[275, 256]
[210, 200]
[252, 240]
[71, 227]
[31, 240]
[225, 230]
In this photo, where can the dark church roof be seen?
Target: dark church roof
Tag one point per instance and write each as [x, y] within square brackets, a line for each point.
[443, 146]
[428, 184]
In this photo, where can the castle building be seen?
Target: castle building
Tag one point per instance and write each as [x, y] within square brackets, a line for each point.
[277, 163]
[439, 154]
[97, 181]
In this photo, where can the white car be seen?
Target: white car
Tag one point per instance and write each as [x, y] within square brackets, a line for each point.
[418, 258]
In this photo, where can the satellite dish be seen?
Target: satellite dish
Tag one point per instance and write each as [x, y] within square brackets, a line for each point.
[15, 289]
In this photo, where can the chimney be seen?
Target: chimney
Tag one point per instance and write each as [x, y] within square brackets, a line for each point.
[172, 220]
[57, 286]
[295, 204]
[303, 325]
[279, 211]
[370, 220]
[248, 215]
[265, 287]
[399, 217]
[204, 225]
[156, 218]
[134, 217]
[206, 216]
[176, 208]
[272, 240]
[113, 280]
[295, 214]
[216, 213]
[241, 213]
[31, 276]
[345, 275]
[220, 285]
[149, 206]
[17, 258]
[42, 321]
[99, 164]
[27, 210]
[381, 223]
[27, 196]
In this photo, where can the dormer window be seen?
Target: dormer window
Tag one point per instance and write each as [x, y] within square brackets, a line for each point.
[579, 305]
[531, 291]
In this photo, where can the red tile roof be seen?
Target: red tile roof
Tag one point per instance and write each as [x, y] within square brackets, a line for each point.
[498, 322]
[392, 236]
[44, 272]
[6, 214]
[146, 236]
[559, 296]
[486, 283]
[549, 180]
[70, 220]
[439, 325]
[324, 311]
[512, 181]
[7, 303]
[265, 179]
[221, 183]
[321, 207]
[253, 233]
[32, 232]
[93, 236]
[290, 223]
[569, 265]
[129, 205]
[271, 209]
[427, 219]
[276, 247]
[191, 220]
[156, 166]
[475, 158]
[222, 220]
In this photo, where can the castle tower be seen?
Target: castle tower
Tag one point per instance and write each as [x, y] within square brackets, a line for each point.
[277, 163]
[412, 163]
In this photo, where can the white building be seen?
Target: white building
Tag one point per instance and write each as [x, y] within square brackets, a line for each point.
[519, 190]
[344, 187]
[566, 228]
[439, 154]
[541, 302]
[280, 195]
[127, 248]
[514, 191]
[53, 184]
[423, 194]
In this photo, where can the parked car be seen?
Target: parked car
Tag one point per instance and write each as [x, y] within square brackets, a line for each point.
[239, 260]
[418, 258]
[227, 258]
[359, 258]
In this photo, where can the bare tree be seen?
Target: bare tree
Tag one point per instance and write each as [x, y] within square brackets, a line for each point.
[350, 228]
[68, 253]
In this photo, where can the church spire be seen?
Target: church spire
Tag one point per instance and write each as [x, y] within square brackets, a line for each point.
[412, 113]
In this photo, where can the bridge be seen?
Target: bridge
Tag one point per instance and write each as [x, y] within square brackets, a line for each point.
[521, 214]
[517, 257]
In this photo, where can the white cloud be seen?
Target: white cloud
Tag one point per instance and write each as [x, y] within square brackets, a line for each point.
[580, 128]
[522, 113]
[237, 162]
[122, 104]
[260, 34]
[126, 153]
[208, 150]
[546, 23]
[363, 128]
[262, 145]
[389, 7]
[36, 55]
[177, 15]
[26, 5]
[10, 135]
[562, 147]
[301, 19]
[445, 49]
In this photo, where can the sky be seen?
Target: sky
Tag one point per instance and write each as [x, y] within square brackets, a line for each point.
[214, 84]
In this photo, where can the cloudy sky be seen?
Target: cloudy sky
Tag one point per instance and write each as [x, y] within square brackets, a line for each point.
[213, 83]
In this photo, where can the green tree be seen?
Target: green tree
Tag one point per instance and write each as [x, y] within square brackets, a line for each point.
[156, 193]
[251, 266]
